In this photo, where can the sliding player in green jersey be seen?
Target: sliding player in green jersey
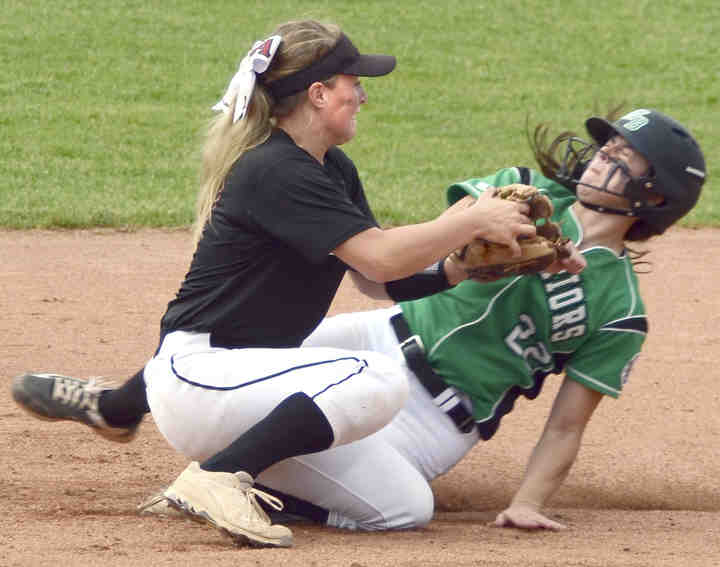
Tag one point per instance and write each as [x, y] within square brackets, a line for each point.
[471, 351]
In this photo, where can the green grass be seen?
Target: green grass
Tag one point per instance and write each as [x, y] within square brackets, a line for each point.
[102, 104]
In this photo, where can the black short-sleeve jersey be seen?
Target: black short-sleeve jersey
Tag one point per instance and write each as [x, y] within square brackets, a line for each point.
[263, 273]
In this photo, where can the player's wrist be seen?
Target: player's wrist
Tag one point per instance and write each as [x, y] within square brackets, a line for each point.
[454, 273]
[526, 503]
[430, 281]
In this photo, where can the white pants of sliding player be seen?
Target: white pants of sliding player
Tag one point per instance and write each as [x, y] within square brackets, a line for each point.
[203, 398]
[382, 481]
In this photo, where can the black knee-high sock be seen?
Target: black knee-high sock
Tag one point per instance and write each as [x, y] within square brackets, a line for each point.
[292, 506]
[127, 404]
[297, 426]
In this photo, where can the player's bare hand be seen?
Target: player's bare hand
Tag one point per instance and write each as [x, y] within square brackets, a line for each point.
[526, 518]
[502, 221]
[461, 205]
[573, 262]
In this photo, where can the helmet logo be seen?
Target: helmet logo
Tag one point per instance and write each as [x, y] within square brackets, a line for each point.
[636, 119]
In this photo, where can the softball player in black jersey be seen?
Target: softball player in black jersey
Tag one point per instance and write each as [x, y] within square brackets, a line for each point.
[281, 217]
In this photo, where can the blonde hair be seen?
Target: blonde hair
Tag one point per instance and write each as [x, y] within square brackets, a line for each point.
[303, 42]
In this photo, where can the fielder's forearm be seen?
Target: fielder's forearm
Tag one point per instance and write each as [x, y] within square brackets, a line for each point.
[386, 255]
[396, 253]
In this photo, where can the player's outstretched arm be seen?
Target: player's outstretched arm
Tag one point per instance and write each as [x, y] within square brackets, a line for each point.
[396, 253]
[552, 458]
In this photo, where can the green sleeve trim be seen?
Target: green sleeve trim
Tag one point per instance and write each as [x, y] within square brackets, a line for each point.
[591, 382]
[459, 190]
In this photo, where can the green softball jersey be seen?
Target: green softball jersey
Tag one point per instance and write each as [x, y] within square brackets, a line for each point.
[497, 341]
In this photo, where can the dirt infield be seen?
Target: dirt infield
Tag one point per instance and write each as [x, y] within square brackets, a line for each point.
[645, 490]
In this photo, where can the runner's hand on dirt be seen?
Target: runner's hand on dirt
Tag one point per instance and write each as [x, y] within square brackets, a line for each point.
[526, 518]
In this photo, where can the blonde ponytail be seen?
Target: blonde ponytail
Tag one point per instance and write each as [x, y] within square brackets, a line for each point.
[303, 43]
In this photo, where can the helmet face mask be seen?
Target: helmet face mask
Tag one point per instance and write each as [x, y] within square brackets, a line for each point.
[619, 180]
[677, 165]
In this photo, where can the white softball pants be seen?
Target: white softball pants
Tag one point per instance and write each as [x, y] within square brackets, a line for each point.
[202, 398]
[381, 481]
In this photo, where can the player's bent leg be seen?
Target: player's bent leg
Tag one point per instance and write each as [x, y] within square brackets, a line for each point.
[53, 397]
[364, 403]
[223, 406]
[204, 398]
[381, 492]
[366, 485]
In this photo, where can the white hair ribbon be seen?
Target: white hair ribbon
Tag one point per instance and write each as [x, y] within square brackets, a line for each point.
[242, 84]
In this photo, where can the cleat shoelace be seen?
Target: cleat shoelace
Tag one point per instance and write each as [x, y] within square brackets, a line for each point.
[253, 494]
[77, 394]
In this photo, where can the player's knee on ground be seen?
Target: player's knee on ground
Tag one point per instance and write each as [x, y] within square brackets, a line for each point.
[414, 508]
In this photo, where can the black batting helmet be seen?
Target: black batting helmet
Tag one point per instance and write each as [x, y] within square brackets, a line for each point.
[677, 164]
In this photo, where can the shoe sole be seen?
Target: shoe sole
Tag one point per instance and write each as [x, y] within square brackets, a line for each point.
[31, 407]
[239, 536]
[158, 505]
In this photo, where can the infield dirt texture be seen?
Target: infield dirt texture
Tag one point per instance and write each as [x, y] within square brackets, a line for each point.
[645, 490]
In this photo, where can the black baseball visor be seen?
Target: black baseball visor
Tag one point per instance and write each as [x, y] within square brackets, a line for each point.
[342, 59]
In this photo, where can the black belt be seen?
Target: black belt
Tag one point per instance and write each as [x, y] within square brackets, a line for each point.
[445, 397]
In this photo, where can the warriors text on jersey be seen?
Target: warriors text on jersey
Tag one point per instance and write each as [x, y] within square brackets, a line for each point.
[497, 341]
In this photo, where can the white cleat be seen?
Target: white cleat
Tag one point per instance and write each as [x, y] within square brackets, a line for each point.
[229, 503]
[158, 505]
